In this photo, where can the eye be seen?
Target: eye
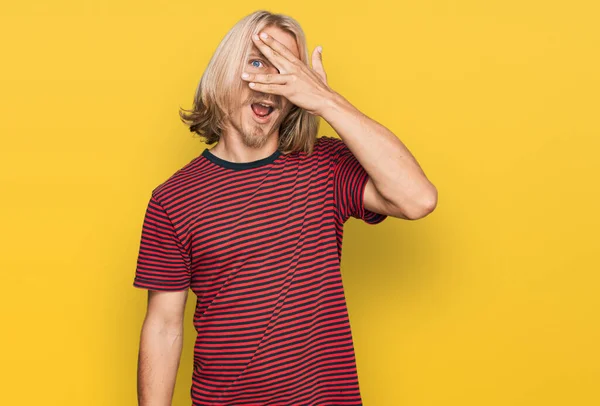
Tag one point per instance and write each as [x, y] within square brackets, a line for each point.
[255, 61]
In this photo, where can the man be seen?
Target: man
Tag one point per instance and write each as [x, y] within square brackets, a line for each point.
[254, 225]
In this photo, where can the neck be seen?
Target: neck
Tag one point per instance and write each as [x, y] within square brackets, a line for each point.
[234, 149]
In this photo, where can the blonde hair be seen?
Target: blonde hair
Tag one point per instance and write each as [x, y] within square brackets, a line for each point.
[221, 84]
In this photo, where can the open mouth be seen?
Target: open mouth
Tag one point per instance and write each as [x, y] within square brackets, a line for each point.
[261, 111]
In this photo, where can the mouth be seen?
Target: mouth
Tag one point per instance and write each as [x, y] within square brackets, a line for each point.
[261, 112]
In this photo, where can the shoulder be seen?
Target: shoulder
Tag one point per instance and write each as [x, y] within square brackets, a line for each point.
[334, 148]
[327, 142]
[324, 148]
[180, 181]
[328, 145]
[325, 151]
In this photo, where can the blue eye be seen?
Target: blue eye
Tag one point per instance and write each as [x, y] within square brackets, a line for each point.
[256, 61]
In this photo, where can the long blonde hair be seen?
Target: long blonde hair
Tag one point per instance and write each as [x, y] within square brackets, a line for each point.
[221, 84]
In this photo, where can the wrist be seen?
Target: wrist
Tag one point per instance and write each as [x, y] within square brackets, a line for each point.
[332, 103]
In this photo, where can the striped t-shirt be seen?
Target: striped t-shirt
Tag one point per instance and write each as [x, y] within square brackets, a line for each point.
[260, 244]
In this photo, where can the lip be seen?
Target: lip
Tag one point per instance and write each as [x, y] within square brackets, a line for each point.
[266, 103]
[261, 120]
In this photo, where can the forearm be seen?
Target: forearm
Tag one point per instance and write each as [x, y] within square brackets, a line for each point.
[159, 356]
[392, 168]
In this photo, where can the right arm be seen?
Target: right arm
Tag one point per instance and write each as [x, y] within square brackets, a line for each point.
[161, 341]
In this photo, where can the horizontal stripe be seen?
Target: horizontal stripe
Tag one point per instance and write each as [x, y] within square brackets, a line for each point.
[260, 246]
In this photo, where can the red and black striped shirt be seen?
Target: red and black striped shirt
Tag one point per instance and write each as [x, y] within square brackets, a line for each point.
[260, 244]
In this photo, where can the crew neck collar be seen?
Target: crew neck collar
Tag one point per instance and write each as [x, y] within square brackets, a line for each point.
[240, 165]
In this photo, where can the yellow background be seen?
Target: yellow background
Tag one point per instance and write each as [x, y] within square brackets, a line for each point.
[493, 299]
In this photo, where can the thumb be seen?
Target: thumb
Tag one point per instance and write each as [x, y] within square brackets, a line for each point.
[317, 63]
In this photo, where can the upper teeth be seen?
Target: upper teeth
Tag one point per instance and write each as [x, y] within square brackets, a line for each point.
[264, 105]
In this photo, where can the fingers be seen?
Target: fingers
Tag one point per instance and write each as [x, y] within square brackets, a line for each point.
[317, 63]
[267, 78]
[269, 88]
[277, 53]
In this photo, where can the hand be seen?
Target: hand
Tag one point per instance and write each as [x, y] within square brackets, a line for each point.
[305, 87]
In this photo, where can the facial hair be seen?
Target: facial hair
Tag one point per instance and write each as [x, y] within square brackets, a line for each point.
[258, 136]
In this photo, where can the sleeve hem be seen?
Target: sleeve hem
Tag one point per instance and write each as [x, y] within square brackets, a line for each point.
[368, 216]
[159, 287]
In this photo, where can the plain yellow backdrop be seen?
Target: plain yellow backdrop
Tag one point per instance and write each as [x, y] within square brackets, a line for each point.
[493, 299]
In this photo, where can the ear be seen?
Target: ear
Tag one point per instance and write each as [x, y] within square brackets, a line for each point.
[317, 63]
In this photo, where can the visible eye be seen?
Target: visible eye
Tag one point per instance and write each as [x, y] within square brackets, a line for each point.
[255, 62]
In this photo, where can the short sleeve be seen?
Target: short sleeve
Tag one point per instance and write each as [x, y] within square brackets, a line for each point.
[350, 180]
[163, 263]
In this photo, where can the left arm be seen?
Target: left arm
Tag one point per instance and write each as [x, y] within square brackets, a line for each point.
[397, 185]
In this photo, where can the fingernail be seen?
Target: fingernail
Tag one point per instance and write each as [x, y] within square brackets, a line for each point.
[245, 75]
[264, 35]
[320, 49]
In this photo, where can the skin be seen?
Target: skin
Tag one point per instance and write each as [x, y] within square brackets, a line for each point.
[244, 138]
[397, 185]
[161, 342]
[161, 339]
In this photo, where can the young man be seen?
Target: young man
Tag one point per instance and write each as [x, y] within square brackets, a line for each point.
[253, 226]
